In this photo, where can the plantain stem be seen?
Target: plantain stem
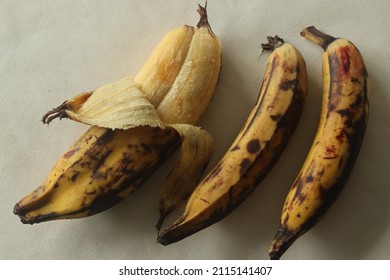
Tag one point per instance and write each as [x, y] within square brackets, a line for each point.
[318, 37]
[272, 44]
[58, 112]
[203, 21]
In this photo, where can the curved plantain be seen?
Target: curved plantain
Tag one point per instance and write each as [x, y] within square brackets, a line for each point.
[336, 145]
[256, 148]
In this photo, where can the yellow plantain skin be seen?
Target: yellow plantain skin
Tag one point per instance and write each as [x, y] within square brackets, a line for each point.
[97, 173]
[88, 181]
[104, 166]
[182, 180]
[336, 145]
[255, 150]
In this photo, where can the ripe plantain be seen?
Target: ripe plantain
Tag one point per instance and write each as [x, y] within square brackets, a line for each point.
[336, 145]
[257, 147]
[126, 144]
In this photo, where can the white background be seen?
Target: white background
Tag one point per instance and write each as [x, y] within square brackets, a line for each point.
[51, 50]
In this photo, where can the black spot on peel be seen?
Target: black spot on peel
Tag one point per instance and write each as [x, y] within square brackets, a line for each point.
[309, 179]
[214, 172]
[126, 159]
[276, 118]
[348, 123]
[283, 122]
[331, 107]
[74, 177]
[355, 80]
[345, 113]
[299, 196]
[101, 162]
[235, 148]
[290, 84]
[245, 164]
[107, 137]
[324, 193]
[146, 148]
[253, 146]
[358, 101]
[204, 200]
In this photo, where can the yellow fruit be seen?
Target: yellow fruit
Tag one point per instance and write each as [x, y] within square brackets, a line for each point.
[256, 148]
[336, 145]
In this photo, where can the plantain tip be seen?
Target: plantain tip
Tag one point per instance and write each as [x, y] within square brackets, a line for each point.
[271, 45]
[274, 255]
[169, 235]
[283, 239]
[163, 239]
[17, 210]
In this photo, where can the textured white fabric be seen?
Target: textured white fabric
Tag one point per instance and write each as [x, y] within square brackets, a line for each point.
[50, 50]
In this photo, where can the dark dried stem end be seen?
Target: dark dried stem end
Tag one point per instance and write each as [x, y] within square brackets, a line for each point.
[318, 37]
[272, 44]
[58, 112]
[203, 21]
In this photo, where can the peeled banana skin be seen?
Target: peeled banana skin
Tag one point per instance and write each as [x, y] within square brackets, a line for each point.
[104, 166]
[336, 145]
[256, 148]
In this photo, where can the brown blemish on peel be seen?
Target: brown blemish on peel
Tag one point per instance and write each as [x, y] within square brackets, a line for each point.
[345, 60]
[345, 113]
[309, 179]
[217, 169]
[253, 146]
[101, 162]
[74, 176]
[245, 164]
[340, 137]
[70, 153]
[276, 117]
[235, 148]
[146, 148]
[106, 138]
[290, 84]
[331, 151]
